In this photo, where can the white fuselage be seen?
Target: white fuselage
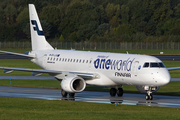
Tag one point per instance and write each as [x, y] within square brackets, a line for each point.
[114, 69]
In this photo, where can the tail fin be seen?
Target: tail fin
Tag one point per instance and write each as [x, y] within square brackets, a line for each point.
[38, 39]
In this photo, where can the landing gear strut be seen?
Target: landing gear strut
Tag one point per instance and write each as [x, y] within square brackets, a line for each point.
[114, 91]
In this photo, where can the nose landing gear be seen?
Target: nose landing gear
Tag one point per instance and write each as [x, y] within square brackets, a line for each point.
[149, 96]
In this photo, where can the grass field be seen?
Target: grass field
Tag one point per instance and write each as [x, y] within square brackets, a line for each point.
[147, 52]
[28, 109]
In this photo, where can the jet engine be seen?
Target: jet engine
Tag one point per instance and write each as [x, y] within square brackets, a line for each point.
[73, 84]
[143, 89]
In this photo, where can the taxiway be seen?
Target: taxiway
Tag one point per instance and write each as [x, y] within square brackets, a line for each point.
[89, 96]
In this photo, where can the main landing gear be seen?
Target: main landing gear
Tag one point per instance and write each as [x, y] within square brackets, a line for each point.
[118, 91]
[64, 94]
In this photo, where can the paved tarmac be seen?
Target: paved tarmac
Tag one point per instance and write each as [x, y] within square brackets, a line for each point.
[168, 57]
[87, 96]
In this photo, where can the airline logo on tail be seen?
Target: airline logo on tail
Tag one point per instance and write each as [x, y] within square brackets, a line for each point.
[36, 28]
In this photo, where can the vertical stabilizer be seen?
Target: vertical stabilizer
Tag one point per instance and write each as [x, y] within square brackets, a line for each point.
[38, 39]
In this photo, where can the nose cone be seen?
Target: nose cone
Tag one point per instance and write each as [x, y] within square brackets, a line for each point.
[166, 78]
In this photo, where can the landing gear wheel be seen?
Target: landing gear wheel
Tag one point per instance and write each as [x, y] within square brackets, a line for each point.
[63, 93]
[120, 92]
[113, 92]
[147, 97]
[71, 95]
[150, 96]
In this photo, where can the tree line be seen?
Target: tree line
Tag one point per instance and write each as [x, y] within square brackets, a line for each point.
[93, 20]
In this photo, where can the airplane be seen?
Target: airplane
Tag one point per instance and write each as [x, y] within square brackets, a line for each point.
[75, 69]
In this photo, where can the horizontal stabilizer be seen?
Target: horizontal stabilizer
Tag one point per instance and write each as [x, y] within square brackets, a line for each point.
[18, 54]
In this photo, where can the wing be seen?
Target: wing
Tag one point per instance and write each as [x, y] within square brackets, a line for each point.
[19, 54]
[57, 74]
[174, 68]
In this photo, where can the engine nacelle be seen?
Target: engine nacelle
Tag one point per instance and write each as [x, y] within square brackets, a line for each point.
[143, 89]
[73, 84]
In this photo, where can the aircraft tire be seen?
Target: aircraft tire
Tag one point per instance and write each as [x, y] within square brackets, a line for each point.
[147, 97]
[150, 96]
[113, 92]
[71, 95]
[120, 92]
[63, 93]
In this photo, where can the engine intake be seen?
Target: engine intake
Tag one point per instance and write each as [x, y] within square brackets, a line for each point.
[73, 84]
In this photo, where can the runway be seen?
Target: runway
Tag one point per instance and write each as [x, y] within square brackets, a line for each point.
[88, 96]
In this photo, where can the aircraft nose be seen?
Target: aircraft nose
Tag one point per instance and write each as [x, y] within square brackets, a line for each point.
[166, 78]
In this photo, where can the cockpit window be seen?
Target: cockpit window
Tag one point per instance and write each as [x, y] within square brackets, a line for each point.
[154, 64]
[146, 65]
[157, 65]
[162, 65]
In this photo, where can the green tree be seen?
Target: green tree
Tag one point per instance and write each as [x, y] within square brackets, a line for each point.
[124, 29]
[61, 38]
[52, 15]
[10, 14]
[86, 31]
